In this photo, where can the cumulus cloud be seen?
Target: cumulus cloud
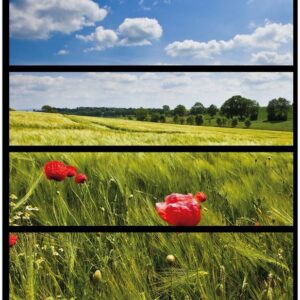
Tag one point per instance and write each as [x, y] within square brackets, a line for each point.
[31, 90]
[139, 31]
[269, 37]
[31, 19]
[103, 38]
[132, 32]
[271, 58]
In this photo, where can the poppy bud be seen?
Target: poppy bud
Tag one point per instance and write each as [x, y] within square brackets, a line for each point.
[12, 240]
[201, 197]
[80, 178]
[71, 171]
[97, 276]
[170, 259]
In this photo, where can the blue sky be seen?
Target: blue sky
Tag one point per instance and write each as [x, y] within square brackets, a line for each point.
[112, 32]
[129, 89]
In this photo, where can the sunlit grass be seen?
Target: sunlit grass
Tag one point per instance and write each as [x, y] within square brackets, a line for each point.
[133, 266]
[31, 128]
[122, 188]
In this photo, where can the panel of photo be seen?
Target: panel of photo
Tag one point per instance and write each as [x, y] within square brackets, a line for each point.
[150, 149]
[151, 189]
[129, 108]
[151, 32]
[151, 266]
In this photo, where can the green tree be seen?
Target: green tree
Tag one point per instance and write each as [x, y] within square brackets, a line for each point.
[238, 106]
[48, 109]
[212, 110]
[182, 121]
[224, 122]
[278, 109]
[141, 114]
[234, 122]
[197, 109]
[199, 120]
[219, 122]
[247, 123]
[166, 109]
[176, 119]
[155, 117]
[180, 110]
[190, 120]
[162, 119]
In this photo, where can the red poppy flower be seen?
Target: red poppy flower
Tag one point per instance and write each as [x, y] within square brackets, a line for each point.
[80, 178]
[200, 197]
[55, 170]
[181, 213]
[12, 240]
[71, 171]
[173, 198]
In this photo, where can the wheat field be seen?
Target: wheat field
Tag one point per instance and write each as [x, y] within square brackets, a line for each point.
[122, 188]
[134, 266]
[33, 128]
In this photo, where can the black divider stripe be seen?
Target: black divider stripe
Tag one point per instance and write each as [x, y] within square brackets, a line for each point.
[199, 229]
[152, 149]
[150, 68]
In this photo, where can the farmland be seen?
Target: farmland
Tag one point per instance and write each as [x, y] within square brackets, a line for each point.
[122, 188]
[134, 266]
[32, 128]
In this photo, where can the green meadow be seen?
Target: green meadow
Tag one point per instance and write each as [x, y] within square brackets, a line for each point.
[133, 266]
[122, 188]
[33, 128]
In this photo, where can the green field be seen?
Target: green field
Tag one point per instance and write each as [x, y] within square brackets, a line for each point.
[122, 188]
[32, 128]
[133, 266]
[260, 123]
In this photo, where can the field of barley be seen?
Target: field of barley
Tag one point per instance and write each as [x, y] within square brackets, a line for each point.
[142, 266]
[122, 188]
[33, 128]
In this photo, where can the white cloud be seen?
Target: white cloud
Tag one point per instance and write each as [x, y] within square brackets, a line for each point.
[31, 19]
[32, 90]
[104, 38]
[272, 58]
[132, 32]
[175, 81]
[139, 31]
[63, 52]
[271, 36]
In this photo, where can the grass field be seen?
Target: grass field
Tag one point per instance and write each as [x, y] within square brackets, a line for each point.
[122, 188]
[32, 128]
[133, 266]
[260, 123]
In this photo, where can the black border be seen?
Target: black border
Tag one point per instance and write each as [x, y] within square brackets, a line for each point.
[199, 229]
[136, 68]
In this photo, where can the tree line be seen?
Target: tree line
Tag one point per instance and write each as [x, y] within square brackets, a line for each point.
[235, 109]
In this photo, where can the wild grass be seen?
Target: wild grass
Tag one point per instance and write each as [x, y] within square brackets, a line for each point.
[122, 188]
[32, 128]
[133, 266]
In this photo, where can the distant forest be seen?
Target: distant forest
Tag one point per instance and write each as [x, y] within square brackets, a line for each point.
[236, 108]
